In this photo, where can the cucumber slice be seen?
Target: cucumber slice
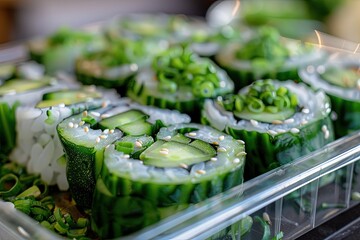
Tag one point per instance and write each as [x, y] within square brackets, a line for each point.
[172, 187]
[343, 92]
[133, 145]
[270, 145]
[19, 86]
[95, 130]
[177, 153]
[265, 116]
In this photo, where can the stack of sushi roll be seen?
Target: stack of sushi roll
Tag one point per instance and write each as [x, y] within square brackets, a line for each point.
[279, 121]
[339, 78]
[179, 79]
[266, 55]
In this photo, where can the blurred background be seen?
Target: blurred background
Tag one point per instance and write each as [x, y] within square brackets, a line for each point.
[23, 19]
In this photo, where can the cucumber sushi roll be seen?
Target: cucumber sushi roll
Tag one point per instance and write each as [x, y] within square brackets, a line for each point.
[340, 79]
[279, 121]
[38, 146]
[266, 55]
[19, 92]
[59, 51]
[179, 79]
[84, 144]
[147, 178]
[115, 65]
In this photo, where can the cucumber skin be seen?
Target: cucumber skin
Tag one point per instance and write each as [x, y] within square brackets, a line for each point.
[8, 127]
[243, 78]
[155, 199]
[348, 115]
[282, 148]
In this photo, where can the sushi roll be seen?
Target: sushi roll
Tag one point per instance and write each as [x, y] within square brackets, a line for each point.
[266, 55]
[38, 147]
[19, 92]
[179, 165]
[84, 144]
[179, 79]
[117, 63]
[339, 78]
[279, 121]
[59, 51]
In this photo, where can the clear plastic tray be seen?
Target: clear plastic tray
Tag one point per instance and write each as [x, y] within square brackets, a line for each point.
[297, 197]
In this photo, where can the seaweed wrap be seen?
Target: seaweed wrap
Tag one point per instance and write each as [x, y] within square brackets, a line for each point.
[266, 55]
[37, 143]
[59, 51]
[179, 165]
[279, 121]
[113, 66]
[339, 78]
[179, 79]
[84, 144]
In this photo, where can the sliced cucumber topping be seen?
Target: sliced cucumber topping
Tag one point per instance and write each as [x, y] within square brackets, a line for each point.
[342, 77]
[121, 119]
[67, 97]
[267, 117]
[19, 85]
[175, 154]
[133, 145]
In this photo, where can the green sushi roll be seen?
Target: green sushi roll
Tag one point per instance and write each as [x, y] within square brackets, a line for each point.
[38, 147]
[117, 63]
[182, 164]
[266, 55]
[59, 51]
[179, 79]
[339, 78]
[86, 135]
[279, 121]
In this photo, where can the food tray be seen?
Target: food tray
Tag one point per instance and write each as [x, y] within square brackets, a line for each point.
[297, 197]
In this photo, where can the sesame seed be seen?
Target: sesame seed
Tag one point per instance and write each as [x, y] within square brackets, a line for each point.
[167, 138]
[254, 122]
[76, 125]
[214, 159]
[215, 143]
[71, 124]
[200, 172]
[310, 69]
[106, 131]
[107, 146]
[105, 115]
[324, 128]
[221, 149]
[164, 152]
[240, 141]
[103, 136]
[294, 130]
[241, 154]
[236, 160]
[266, 218]
[289, 120]
[192, 134]
[304, 122]
[104, 104]
[326, 134]
[281, 130]
[277, 122]
[183, 165]
[305, 110]
[62, 105]
[138, 144]
[81, 123]
[126, 156]
[164, 149]
[111, 131]
[85, 113]
[95, 114]
[86, 129]
[272, 132]
[222, 137]
[97, 140]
